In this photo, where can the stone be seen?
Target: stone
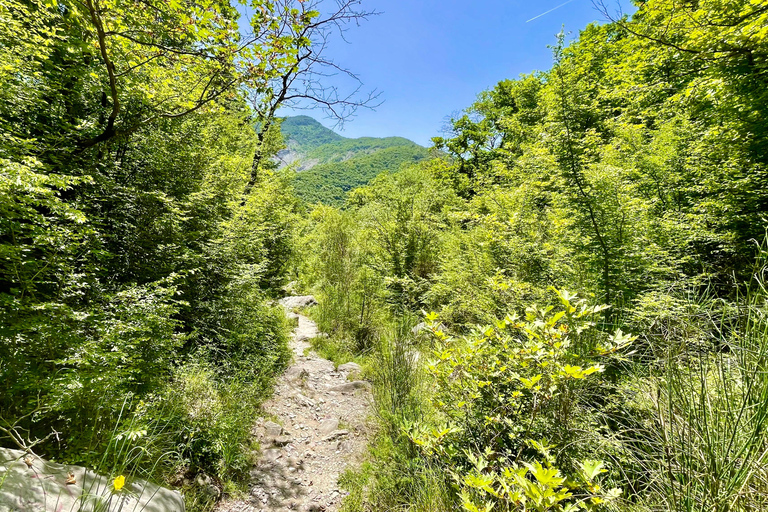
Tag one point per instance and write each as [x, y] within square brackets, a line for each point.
[293, 318]
[305, 401]
[272, 454]
[301, 301]
[281, 440]
[343, 446]
[272, 429]
[328, 426]
[42, 487]
[295, 462]
[350, 367]
[336, 434]
[348, 387]
[208, 486]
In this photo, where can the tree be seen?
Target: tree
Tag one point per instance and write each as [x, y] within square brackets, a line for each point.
[302, 83]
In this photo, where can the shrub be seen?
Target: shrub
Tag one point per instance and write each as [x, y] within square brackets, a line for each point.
[504, 389]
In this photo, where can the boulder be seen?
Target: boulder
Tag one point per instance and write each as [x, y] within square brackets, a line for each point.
[30, 483]
[348, 387]
[336, 434]
[282, 440]
[293, 318]
[302, 301]
[350, 367]
[272, 429]
[327, 426]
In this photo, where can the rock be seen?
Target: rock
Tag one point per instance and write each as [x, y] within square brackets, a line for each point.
[328, 426]
[272, 454]
[281, 440]
[350, 367]
[273, 429]
[208, 486]
[296, 373]
[293, 318]
[295, 462]
[43, 487]
[343, 446]
[348, 387]
[305, 401]
[336, 434]
[302, 301]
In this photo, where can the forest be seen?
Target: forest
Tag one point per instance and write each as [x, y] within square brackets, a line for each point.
[329, 166]
[561, 306]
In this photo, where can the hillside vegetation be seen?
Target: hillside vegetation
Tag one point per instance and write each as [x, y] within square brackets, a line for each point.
[568, 311]
[562, 306]
[330, 183]
[330, 165]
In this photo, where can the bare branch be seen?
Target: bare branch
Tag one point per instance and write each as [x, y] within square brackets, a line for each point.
[304, 84]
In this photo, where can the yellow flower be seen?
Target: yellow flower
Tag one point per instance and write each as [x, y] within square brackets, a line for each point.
[119, 482]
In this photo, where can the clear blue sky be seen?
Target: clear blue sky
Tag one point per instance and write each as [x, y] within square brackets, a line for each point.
[431, 58]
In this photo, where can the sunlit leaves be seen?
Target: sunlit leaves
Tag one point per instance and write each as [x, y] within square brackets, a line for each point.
[496, 382]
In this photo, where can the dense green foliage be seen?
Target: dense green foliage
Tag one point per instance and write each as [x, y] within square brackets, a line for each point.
[304, 133]
[330, 183]
[144, 230]
[350, 148]
[331, 165]
[134, 273]
[633, 171]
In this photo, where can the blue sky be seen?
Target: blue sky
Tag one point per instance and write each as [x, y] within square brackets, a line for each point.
[431, 58]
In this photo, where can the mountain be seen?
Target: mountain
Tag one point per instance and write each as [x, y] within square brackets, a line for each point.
[331, 165]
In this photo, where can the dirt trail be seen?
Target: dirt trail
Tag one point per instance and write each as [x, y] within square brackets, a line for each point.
[317, 428]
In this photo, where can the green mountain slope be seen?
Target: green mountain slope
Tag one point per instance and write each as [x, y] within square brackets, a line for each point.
[330, 165]
[306, 133]
[329, 183]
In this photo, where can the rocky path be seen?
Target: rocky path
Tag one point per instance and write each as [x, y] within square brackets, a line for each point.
[314, 428]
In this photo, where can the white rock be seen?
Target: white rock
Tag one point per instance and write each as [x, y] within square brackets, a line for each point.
[273, 429]
[302, 301]
[42, 487]
[351, 386]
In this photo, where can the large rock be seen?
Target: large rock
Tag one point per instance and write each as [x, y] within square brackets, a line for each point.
[327, 426]
[350, 367]
[293, 318]
[349, 387]
[28, 483]
[302, 301]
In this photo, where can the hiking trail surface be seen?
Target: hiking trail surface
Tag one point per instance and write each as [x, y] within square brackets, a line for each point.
[311, 430]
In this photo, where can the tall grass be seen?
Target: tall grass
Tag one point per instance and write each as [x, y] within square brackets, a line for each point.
[397, 478]
[708, 449]
[397, 375]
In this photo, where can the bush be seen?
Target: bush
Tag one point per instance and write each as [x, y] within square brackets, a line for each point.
[503, 393]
